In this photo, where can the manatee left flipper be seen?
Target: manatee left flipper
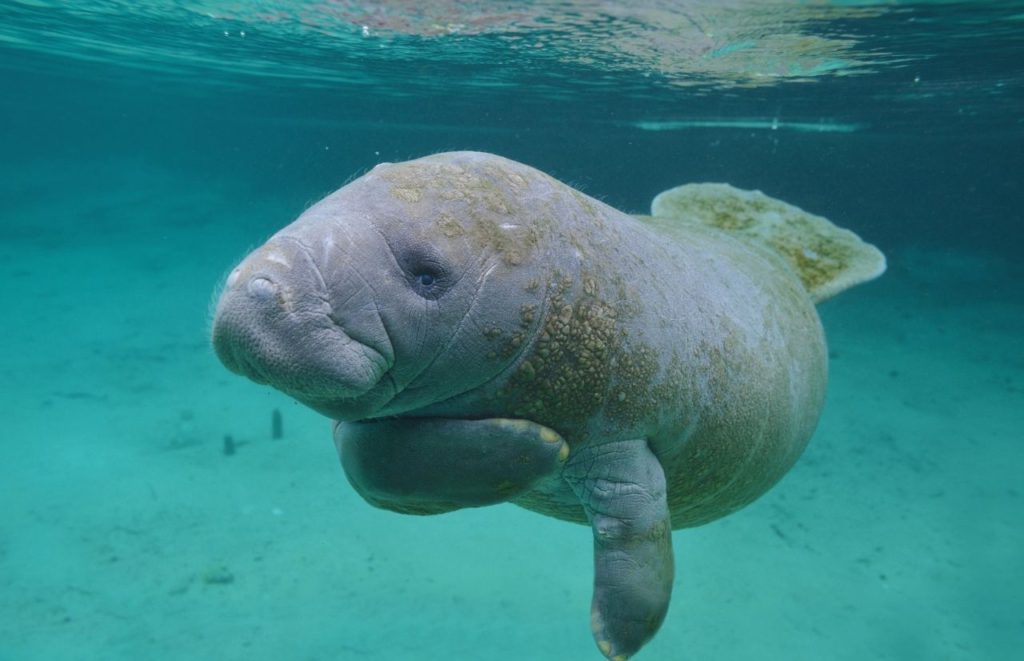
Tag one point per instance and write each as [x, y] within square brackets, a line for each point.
[435, 465]
[621, 485]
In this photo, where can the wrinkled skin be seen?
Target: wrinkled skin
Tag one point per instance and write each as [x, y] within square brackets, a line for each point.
[483, 333]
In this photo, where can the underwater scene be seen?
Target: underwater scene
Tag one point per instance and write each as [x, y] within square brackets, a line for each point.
[545, 378]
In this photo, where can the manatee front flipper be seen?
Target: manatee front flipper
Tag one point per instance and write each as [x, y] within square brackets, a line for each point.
[435, 465]
[622, 487]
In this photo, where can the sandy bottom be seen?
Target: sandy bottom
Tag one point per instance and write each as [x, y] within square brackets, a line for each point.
[127, 533]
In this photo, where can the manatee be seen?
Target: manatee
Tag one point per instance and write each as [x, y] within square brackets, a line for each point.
[483, 333]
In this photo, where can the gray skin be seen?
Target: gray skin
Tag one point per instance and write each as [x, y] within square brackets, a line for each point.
[483, 333]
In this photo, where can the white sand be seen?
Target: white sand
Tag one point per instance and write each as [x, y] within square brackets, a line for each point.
[126, 533]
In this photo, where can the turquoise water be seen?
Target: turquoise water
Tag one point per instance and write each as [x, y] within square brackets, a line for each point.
[146, 147]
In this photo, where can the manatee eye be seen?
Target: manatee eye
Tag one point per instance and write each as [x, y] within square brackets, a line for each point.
[428, 275]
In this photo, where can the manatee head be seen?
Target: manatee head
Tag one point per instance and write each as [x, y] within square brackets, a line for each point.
[415, 283]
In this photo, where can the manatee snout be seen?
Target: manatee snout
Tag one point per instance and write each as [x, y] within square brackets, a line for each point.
[274, 323]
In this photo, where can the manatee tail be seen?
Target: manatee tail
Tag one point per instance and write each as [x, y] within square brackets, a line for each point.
[826, 258]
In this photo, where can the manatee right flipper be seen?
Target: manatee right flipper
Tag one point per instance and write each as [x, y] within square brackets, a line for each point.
[621, 485]
[436, 465]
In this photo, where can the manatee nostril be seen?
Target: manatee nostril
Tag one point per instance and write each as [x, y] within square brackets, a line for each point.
[262, 289]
